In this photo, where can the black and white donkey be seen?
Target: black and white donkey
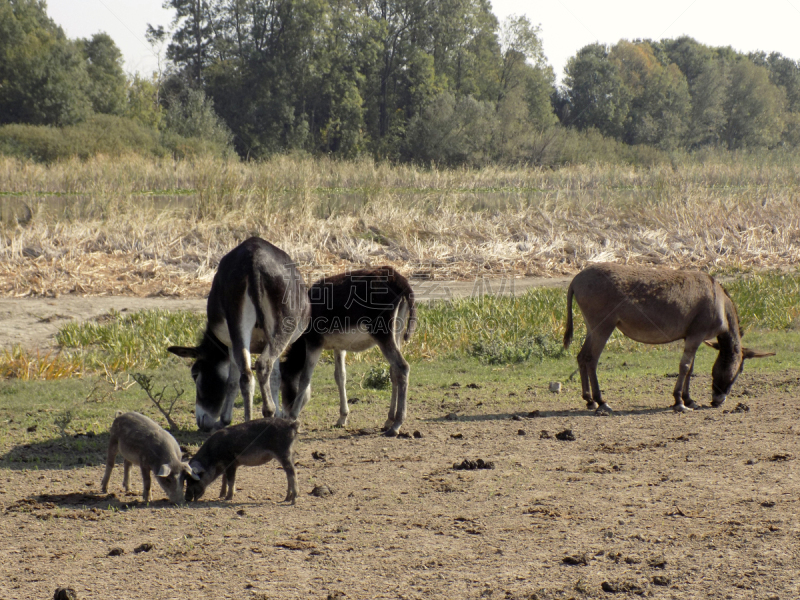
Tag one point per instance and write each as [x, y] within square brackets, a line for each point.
[258, 303]
[353, 311]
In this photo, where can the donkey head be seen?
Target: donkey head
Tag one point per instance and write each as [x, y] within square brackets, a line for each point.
[728, 366]
[210, 373]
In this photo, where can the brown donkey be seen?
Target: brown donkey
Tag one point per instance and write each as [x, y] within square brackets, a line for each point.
[657, 306]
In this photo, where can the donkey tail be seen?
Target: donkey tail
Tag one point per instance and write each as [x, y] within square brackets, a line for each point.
[411, 324]
[568, 332]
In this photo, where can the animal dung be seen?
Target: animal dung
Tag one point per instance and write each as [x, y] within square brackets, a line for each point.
[321, 491]
[471, 465]
[116, 551]
[318, 455]
[521, 432]
[146, 547]
[63, 593]
[566, 436]
[555, 387]
[417, 435]
[545, 435]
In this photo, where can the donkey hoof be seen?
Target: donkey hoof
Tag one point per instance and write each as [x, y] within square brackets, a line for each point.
[591, 405]
[691, 404]
[392, 432]
[682, 408]
[604, 410]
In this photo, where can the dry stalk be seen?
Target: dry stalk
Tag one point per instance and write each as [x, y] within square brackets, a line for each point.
[146, 383]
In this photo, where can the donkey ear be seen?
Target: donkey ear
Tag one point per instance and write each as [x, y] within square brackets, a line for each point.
[748, 353]
[184, 352]
[713, 345]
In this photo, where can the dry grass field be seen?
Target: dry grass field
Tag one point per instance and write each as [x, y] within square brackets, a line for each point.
[144, 227]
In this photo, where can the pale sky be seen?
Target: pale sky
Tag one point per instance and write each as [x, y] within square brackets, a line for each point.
[566, 25]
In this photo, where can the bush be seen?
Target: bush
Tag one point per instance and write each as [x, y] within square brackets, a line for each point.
[377, 378]
[102, 135]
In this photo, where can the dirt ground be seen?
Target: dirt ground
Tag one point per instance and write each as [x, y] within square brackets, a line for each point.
[647, 502]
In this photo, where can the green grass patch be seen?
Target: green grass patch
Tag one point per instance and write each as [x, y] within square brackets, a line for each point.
[121, 342]
[494, 329]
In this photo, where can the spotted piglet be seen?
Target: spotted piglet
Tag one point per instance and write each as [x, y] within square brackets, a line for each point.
[248, 444]
[142, 442]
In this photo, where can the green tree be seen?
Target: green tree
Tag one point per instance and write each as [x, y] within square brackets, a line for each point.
[43, 76]
[107, 89]
[659, 96]
[754, 108]
[595, 93]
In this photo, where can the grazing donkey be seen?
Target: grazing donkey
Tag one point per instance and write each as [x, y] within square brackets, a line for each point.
[258, 303]
[353, 312]
[142, 442]
[246, 444]
[657, 306]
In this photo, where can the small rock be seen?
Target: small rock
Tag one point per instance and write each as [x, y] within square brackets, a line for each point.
[741, 408]
[31, 429]
[555, 387]
[576, 559]
[318, 455]
[117, 551]
[455, 384]
[659, 563]
[768, 504]
[146, 547]
[65, 593]
[405, 435]
[661, 580]
[617, 587]
[353, 400]
[751, 461]
[516, 418]
[417, 435]
[457, 436]
[473, 386]
[321, 491]
[241, 512]
[521, 432]
[545, 435]
[566, 436]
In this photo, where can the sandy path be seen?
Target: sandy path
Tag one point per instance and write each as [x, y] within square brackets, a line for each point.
[33, 322]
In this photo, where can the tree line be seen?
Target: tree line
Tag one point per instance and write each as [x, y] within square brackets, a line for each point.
[408, 80]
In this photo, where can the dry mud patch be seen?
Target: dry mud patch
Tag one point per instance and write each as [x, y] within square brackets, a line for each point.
[644, 503]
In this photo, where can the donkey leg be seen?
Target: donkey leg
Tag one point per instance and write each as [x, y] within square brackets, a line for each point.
[275, 386]
[264, 367]
[397, 413]
[304, 384]
[588, 358]
[683, 403]
[340, 375]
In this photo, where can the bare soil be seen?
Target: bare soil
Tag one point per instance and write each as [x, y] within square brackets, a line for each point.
[644, 503]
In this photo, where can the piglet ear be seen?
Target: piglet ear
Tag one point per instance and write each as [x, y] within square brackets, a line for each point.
[184, 351]
[713, 345]
[748, 353]
[164, 471]
[196, 470]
